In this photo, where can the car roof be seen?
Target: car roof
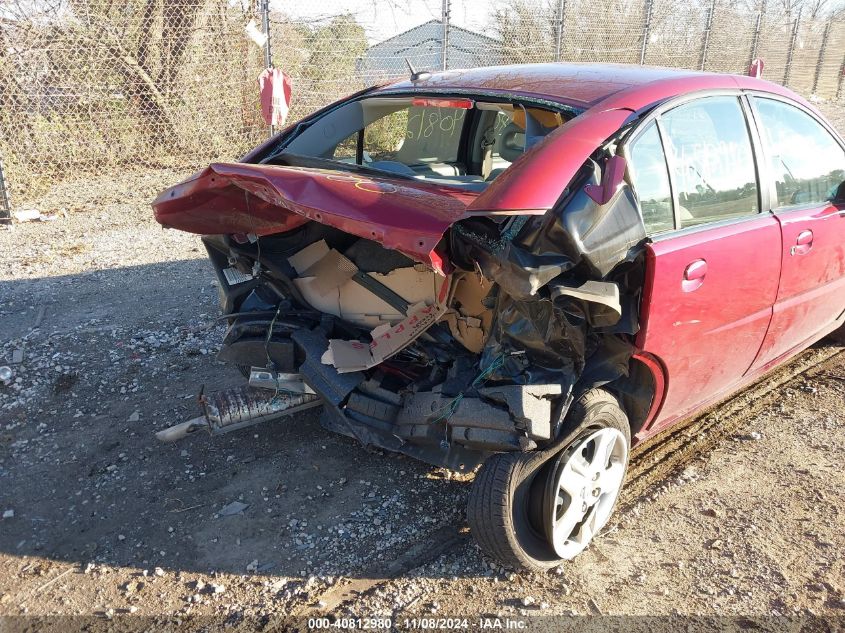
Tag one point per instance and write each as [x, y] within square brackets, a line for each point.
[586, 85]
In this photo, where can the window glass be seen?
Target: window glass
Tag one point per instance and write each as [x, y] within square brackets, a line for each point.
[650, 177]
[394, 130]
[712, 161]
[416, 135]
[421, 137]
[806, 162]
[345, 151]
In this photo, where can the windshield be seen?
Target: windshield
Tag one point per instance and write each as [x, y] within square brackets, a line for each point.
[456, 141]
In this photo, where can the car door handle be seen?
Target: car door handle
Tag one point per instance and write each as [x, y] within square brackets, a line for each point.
[694, 275]
[803, 243]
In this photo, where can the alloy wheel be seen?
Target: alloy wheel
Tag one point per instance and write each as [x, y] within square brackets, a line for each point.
[583, 489]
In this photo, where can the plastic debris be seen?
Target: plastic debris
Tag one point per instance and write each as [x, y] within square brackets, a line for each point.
[236, 507]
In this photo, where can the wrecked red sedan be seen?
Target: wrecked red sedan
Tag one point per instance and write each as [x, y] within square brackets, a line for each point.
[528, 268]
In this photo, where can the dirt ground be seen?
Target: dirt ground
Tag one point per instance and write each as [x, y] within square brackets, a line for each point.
[738, 514]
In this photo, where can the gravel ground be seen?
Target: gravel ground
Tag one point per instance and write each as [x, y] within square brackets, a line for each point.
[116, 321]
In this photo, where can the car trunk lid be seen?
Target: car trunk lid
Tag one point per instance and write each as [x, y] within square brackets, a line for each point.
[407, 215]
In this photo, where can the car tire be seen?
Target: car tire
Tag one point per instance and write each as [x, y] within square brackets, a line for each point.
[505, 506]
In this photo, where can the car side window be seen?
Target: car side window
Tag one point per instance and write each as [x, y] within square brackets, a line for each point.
[806, 162]
[650, 177]
[712, 161]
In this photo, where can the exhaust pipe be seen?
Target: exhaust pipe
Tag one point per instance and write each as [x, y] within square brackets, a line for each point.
[238, 408]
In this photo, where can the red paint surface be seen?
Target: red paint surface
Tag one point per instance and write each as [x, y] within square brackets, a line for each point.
[708, 337]
[812, 283]
[575, 84]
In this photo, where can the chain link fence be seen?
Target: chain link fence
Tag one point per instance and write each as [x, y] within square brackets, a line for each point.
[94, 85]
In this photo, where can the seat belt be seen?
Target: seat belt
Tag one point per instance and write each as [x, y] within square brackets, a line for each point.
[488, 140]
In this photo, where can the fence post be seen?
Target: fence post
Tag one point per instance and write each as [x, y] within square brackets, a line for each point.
[5, 198]
[646, 28]
[265, 25]
[755, 43]
[791, 52]
[561, 12]
[707, 26]
[840, 93]
[821, 55]
[444, 16]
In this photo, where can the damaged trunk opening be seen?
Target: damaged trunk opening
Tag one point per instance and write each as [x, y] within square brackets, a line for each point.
[447, 363]
[504, 268]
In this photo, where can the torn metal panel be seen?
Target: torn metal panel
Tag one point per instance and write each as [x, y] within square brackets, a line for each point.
[484, 245]
[401, 213]
[487, 358]
[527, 253]
[554, 277]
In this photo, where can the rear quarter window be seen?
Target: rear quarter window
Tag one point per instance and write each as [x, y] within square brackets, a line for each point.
[650, 177]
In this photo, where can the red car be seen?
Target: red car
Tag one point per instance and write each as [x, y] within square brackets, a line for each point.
[529, 268]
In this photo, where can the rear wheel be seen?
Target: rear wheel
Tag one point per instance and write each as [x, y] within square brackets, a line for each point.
[529, 511]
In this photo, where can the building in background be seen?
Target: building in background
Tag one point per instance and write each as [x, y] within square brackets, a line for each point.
[422, 46]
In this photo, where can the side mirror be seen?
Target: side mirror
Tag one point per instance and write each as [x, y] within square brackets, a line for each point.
[611, 180]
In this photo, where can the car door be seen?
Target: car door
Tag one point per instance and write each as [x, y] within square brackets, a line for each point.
[806, 165]
[713, 261]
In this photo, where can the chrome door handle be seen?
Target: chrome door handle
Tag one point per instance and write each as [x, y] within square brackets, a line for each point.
[694, 275]
[803, 243]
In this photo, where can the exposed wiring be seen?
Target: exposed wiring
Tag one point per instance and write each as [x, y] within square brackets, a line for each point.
[449, 410]
[270, 364]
